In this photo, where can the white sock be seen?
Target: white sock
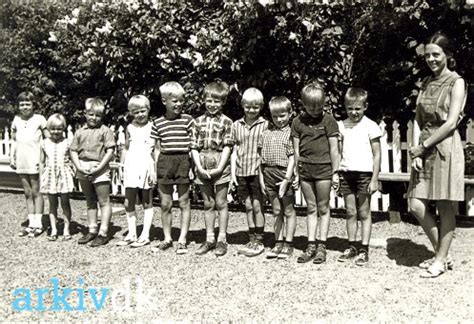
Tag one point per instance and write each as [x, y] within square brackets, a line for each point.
[37, 221]
[147, 221]
[132, 224]
[31, 220]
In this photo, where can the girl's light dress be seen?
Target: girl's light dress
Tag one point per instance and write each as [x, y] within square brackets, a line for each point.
[58, 174]
[138, 160]
[28, 141]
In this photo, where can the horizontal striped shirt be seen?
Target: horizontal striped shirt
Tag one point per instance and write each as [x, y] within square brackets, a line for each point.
[212, 132]
[174, 135]
[276, 146]
[246, 139]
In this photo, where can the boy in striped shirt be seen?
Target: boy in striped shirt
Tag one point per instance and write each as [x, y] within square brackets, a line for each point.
[245, 163]
[172, 133]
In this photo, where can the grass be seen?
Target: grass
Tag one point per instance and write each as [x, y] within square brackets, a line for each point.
[236, 288]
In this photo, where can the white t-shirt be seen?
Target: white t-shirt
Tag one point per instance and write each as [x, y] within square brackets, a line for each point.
[356, 149]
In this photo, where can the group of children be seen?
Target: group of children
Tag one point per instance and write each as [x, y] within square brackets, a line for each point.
[256, 156]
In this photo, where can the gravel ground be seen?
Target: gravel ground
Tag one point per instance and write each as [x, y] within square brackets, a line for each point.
[231, 288]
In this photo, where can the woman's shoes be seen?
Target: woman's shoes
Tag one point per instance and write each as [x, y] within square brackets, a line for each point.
[435, 270]
[427, 263]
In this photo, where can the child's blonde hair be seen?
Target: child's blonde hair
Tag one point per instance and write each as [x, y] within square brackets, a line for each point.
[280, 103]
[138, 101]
[217, 89]
[26, 96]
[56, 119]
[171, 88]
[94, 103]
[355, 94]
[252, 96]
[313, 92]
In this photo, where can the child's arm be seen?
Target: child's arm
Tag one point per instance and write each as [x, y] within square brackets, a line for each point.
[75, 161]
[375, 144]
[156, 154]
[260, 171]
[109, 154]
[13, 149]
[334, 152]
[123, 154]
[197, 162]
[233, 167]
[289, 173]
[42, 160]
[296, 147]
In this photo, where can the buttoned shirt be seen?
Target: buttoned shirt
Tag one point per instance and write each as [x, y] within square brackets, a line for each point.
[276, 146]
[212, 132]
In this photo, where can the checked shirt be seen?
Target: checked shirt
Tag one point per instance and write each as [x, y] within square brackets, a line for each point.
[276, 146]
[212, 132]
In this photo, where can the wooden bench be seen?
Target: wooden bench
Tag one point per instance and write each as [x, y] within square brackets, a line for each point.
[403, 178]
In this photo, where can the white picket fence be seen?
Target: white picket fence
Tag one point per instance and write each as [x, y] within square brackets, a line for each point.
[395, 162]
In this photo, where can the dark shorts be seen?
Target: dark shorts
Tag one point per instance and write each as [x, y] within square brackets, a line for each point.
[353, 182]
[272, 176]
[249, 187]
[314, 172]
[173, 168]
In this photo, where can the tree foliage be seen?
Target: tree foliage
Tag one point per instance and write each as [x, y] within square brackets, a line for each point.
[67, 52]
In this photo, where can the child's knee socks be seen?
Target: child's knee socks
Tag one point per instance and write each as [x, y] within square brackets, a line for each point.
[132, 223]
[147, 221]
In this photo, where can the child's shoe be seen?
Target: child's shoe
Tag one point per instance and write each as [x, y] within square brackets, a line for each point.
[221, 248]
[245, 248]
[182, 248]
[308, 254]
[163, 246]
[25, 231]
[362, 258]
[320, 256]
[99, 241]
[256, 249]
[126, 241]
[37, 231]
[206, 247]
[273, 253]
[87, 238]
[349, 253]
[140, 242]
[286, 252]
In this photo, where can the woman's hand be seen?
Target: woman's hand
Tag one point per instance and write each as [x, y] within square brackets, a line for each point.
[417, 151]
[417, 164]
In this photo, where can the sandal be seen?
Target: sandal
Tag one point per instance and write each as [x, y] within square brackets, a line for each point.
[434, 271]
[140, 242]
[53, 238]
[427, 263]
[25, 231]
[37, 231]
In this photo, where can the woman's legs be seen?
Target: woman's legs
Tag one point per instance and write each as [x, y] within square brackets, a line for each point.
[419, 208]
[447, 211]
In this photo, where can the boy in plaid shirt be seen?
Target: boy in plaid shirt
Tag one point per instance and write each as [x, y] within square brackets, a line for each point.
[275, 175]
[211, 145]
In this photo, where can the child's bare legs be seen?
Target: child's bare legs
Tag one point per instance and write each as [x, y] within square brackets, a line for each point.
[34, 199]
[279, 220]
[66, 207]
[53, 213]
[309, 192]
[147, 200]
[166, 192]
[290, 217]
[323, 190]
[103, 194]
[185, 207]
[208, 196]
[365, 218]
[351, 218]
[91, 201]
[447, 211]
[419, 208]
[222, 209]
[129, 203]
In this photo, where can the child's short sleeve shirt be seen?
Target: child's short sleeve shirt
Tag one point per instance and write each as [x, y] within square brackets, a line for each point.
[314, 134]
[212, 132]
[276, 146]
[174, 135]
[91, 143]
[246, 139]
[356, 144]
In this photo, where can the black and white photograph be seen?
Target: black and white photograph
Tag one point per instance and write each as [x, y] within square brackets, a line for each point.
[237, 161]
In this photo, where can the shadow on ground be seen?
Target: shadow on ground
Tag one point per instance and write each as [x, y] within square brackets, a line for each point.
[406, 252]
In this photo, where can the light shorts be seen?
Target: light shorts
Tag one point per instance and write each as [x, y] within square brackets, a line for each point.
[103, 176]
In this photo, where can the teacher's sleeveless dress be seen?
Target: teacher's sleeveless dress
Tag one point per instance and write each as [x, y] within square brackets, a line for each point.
[442, 177]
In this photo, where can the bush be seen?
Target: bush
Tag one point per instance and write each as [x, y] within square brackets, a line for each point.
[68, 52]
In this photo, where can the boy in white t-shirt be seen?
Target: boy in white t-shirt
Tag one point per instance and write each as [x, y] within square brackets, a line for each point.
[359, 171]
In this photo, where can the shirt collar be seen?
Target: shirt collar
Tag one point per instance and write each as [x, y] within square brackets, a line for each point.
[216, 115]
[259, 120]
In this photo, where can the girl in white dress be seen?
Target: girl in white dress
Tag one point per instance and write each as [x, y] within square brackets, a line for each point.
[57, 174]
[28, 129]
[138, 170]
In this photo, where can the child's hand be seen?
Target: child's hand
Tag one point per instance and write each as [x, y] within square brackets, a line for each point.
[417, 164]
[233, 181]
[283, 187]
[373, 187]
[203, 173]
[335, 181]
[152, 179]
[191, 174]
[215, 173]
